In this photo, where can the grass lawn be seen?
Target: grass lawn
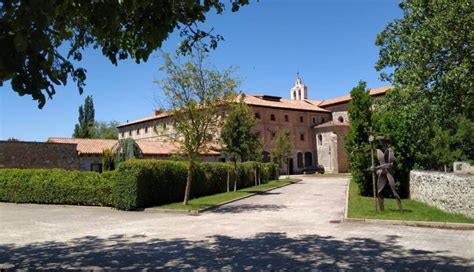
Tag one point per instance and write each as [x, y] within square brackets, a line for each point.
[363, 207]
[212, 200]
[337, 175]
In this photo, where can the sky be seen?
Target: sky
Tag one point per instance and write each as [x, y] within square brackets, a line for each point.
[329, 42]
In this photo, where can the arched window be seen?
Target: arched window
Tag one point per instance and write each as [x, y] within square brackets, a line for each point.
[341, 120]
[299, 160]
[308, 159]
[320, 139]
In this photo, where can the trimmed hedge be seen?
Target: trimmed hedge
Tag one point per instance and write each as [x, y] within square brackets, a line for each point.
[56, 186]
[144, 183]
[135, 184]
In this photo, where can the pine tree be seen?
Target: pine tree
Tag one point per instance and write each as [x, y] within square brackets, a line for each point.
[85, 127]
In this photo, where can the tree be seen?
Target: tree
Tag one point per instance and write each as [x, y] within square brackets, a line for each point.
[237, 135]
[357, 140]
[108, 160]
[282, 146]
[32, 33]
[126, 149]
[428, 54]
[104, 130]
[403, 117]
[195, 93]
[85, 127]
[430, 49]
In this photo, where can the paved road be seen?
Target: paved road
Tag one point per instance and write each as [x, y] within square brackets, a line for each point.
[288, 228]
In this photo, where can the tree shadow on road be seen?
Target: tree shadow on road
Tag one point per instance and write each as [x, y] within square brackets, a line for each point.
[267, 251]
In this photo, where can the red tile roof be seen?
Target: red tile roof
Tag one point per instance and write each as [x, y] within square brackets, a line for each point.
[346, 98]
[97, 146]
[86, 146]
[307, 105]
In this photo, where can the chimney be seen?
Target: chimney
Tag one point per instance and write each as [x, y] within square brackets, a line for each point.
[157, 112]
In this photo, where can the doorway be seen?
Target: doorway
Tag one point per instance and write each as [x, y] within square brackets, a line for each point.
[291, 167]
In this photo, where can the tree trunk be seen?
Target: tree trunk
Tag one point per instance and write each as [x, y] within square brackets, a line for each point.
[287, 168]
[188, 182]
[255, 175]
[235, 175]
[228, 179]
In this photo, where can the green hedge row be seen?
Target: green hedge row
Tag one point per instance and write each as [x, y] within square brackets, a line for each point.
[136, 183]
[56, 186]
[144, 183]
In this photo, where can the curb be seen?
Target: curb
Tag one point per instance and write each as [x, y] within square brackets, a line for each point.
[420, 224]
[197, 212]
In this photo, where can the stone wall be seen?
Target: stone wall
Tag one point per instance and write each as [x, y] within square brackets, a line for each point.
[449, 192]
[19, 154]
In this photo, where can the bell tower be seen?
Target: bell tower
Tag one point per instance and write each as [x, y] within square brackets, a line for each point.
[299, 91]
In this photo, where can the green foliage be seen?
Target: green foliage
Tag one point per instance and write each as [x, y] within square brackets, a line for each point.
[357, 140]
[403, 118]
[430, 49]
[56, 186]
[282, 146]
[108, 160]
[85, 127]
[144, 183]
[239, 140]
[196, 93]
[34, 31]
[104, 130]
[127, 149]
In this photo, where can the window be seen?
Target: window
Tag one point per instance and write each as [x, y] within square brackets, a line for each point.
[323, 120]
[302, 136]
[341, 120]
[273, 135]
[138, 131]
[146, 130]
[272, 117]
[130, 133]
[164, 125]
[287, 118]
[301, 119]
[257, 115]
[123, 134]
[314, 120]
[320, 139]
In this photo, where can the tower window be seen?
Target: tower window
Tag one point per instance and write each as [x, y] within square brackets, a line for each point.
[272, 117]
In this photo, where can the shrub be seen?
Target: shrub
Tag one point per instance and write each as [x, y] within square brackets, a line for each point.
[55, 186]
[143, 183]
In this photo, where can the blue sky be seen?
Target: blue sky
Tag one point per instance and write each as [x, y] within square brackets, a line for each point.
[331, 44]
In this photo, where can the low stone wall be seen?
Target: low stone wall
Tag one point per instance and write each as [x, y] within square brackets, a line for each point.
[449, 192]
[19, 154]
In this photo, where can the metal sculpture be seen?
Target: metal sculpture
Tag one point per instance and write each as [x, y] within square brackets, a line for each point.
[383, 175]
[382, 171]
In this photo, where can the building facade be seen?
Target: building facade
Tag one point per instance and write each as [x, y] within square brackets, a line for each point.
[317, 128]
